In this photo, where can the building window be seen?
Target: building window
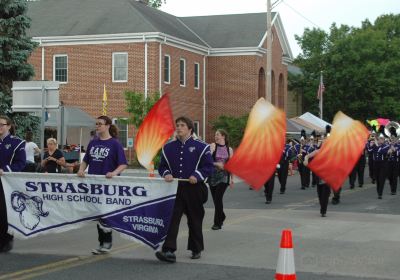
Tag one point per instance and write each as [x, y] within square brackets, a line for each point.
[196, 128]
[120, 67]
[196, 76]
[167, 69]
[60, 66]
[122, 131]
[182, 72]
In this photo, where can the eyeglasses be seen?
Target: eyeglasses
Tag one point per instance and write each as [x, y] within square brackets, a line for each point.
[3, 124]
[100, 124]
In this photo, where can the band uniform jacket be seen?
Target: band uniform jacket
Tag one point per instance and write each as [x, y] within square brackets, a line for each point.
[184, 159]
[12, 154]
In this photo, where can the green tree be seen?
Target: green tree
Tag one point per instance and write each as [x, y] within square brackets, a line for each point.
[156, 3]
[138, 106]
[360, 68]
[235, 127]
[15, 49]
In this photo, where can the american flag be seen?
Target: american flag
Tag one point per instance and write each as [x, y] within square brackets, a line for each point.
[321, 88]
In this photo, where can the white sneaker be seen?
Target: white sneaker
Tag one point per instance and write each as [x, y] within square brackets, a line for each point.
[102, 249]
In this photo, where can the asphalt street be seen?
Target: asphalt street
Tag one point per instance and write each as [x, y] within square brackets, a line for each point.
[359, 239]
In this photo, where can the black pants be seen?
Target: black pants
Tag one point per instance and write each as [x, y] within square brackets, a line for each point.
[4, 236]
[217, 193]
[392, 174]
[269, 187]
[103, 236]
[358, 171]
[189, 201]
[283, 174]
[323, 191]
[304, 176]
[371, 166]
[314, 179]
[380, 171]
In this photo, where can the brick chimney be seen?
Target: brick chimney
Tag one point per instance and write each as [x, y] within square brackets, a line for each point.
[146, 2]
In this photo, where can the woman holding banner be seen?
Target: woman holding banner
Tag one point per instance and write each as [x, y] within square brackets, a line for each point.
[104, 156]
[12, 159]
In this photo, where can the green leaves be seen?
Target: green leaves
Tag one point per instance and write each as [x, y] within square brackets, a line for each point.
[138, 106]
[15, 49]
[235, 127]
[360, 68]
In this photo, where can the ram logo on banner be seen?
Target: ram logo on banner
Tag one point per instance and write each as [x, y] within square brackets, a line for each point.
[42, 203]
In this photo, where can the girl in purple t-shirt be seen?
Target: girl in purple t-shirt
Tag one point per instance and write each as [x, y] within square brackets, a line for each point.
[104, 156]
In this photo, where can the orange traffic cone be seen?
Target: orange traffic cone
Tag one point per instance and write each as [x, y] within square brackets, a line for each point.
[285, 269]
[151, 170]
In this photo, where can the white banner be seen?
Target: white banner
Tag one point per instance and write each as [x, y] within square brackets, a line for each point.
[40, 203]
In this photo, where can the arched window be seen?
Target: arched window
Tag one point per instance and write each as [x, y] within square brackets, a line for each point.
[273, 99]
[261, 83]
[281, 92]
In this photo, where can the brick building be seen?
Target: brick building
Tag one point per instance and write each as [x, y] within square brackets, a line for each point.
[211, 65]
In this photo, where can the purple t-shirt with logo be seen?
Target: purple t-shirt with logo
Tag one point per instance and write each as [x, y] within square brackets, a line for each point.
[104, 156]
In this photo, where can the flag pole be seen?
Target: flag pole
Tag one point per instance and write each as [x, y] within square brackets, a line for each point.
[321, 82]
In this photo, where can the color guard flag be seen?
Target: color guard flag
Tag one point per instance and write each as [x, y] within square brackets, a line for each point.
[104, 101]
[321, 88]
[156, 128]
[341, 151]
[261, 148]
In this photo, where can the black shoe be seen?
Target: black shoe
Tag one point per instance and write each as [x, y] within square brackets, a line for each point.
[335, 201]
[7, 247]
[215, 227]
[360, 186]
[195, 255]
[379, 197]
[303, 188]
[393, 193]
[373, 181]
[250, 188]
[352, 187]
[166, 256]
[323, 215]
[268, 202]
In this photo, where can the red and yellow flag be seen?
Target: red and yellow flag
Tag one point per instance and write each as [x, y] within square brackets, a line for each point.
[262, 145]
[156, 128]
[341, 151]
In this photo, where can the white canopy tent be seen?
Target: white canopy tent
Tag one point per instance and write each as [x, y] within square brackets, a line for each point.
[310, 118]
[73, 125]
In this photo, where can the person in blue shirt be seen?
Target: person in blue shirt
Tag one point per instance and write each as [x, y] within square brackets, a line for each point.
[188, 160]
[12, 159]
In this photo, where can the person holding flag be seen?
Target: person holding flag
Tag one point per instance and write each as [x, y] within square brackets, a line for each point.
[189, 161]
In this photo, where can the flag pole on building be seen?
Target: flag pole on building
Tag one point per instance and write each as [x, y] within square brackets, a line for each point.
[320, 95]
[104, 101]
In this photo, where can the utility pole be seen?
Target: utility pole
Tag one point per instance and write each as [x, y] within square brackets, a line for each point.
[269, 53]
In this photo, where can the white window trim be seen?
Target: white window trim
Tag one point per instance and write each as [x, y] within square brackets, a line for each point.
[127, 67]
[198, 128]
[184, 72]
[169, 69]
[198, 75]
[127, 131]
[54, 67]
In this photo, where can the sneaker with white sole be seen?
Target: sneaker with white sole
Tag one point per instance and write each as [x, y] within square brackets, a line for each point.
[102, 249]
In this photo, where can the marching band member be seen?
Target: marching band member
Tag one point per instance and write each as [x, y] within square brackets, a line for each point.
[284, 165]
[12, 159]
[370, 153]
[393, 163]
[380, 149]
[358, 170]
[302, 150]
[190, 160]
[269, 187]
